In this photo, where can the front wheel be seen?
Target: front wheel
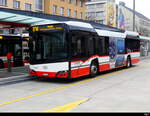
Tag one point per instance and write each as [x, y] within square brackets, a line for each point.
[93, 69]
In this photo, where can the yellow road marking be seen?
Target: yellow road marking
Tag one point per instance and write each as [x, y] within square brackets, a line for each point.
[67, 107]
[63, 87]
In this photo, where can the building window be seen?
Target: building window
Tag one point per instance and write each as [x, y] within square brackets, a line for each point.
[3, 2]
[39, 5]
[81, 3]
[91, 15]
[100, 14]
[28, 6]
[16, 4]
[100, 21]
[75, 13]
[81, 15]
[76, 2]
[69, 12]
[54, 9]
[69, 1]
[91, 6]
[62, 11]
[100, 5]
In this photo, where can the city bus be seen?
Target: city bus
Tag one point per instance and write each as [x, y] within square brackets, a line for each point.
[11, 44]
[73, 49]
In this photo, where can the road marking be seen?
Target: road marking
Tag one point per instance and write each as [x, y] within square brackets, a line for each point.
[63, 87]
[67, 107]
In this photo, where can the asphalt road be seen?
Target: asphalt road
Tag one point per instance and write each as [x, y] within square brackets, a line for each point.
[122, 90]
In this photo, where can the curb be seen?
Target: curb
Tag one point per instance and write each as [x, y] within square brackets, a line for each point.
[13, 78]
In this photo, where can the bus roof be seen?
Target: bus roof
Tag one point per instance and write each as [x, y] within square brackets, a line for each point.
[105, 27]
[131, 33]
[110, 33]
[100, 29]
[76, 25]
[144, 38]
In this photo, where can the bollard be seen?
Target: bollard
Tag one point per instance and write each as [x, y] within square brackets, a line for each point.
[9, 55]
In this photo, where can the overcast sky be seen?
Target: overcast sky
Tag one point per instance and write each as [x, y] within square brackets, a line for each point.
[142, 6]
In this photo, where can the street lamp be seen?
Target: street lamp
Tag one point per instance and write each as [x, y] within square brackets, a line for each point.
[133, 15]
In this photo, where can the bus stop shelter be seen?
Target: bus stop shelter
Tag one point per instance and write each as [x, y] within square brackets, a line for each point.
[12, 19]
[21, 18]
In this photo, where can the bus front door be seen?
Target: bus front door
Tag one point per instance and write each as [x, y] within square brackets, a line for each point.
[18, 61]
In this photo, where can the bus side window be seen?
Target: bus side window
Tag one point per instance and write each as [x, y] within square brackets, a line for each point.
[132, 45]
[102, 46]
[90, 46]
[78, 45]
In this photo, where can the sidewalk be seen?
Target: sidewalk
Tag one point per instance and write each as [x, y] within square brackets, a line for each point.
[16, 72]
[145, 57]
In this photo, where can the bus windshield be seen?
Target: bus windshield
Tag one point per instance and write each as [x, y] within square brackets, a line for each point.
[48, 46]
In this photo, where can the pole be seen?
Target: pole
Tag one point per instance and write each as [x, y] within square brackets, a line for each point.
[133, 15]
[9, 55]
[9, 65]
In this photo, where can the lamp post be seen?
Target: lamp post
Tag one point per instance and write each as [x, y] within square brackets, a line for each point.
[133, 15]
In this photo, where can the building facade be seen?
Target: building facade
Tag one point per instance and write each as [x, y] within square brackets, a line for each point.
[67, 8]
[102, 11]
[27, 5]
[125, 20]
[109, 13]
[30, 5]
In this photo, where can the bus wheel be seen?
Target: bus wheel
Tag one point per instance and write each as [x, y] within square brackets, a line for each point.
[1, 64]
[93, 69]
[129, 64]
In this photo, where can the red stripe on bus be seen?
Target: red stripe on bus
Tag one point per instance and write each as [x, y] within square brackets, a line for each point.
[89, 58]
[84, 71]
[133, 52]
[80, 72]
[49, 74]
[74, 73]
[43, 74]
[134, 61]
[104, 67]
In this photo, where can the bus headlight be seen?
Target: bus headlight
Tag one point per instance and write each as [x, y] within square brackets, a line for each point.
[62, 74]
[32, 73]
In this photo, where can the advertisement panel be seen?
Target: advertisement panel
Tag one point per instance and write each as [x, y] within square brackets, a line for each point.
[111, 14]
[125, 18]
[112, 51]
[120, 52]
[116, 51]
[121, 19]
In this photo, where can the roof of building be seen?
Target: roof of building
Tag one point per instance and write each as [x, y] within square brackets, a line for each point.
[137, 13]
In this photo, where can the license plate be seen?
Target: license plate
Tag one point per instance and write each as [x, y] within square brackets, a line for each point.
[45, 74]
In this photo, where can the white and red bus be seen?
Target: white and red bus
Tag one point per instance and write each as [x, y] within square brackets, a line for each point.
[10, 43]
[74, 49]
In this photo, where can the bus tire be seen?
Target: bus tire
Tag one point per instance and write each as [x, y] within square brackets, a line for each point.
[1, 64]
[128, 64]
[94, 69]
